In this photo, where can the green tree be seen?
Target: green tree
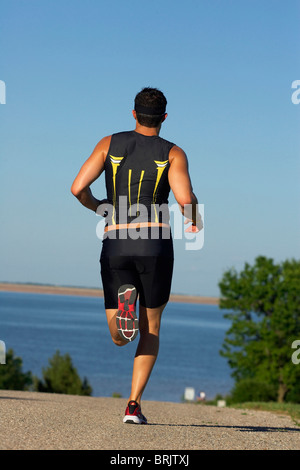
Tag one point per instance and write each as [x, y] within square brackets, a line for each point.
[263, 303]
[62, 377]
[11, 375]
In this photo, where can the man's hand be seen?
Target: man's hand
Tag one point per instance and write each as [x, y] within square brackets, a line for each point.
[196, 226]
[102, 208]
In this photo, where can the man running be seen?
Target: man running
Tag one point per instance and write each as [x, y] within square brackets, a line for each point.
[137, 249]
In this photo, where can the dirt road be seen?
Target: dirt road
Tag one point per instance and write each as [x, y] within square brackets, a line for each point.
[31, 420]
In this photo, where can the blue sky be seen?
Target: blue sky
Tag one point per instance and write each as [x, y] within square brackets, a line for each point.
[72, 69]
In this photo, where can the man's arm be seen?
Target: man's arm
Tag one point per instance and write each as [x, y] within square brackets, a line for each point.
[180, 183]
[89, 172]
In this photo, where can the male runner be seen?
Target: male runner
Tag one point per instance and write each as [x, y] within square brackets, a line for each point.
[137, 250]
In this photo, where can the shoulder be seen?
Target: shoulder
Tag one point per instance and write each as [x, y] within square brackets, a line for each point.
[122, 135]
[104, 143]
[101, 149]
[165, 142]
[119, 140]
[178, 154]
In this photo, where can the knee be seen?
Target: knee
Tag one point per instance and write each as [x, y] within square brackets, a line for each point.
[150, 327]
[150, 330]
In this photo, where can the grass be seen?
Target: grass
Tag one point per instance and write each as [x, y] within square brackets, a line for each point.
[291, 409]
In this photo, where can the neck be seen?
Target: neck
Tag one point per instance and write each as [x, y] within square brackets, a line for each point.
[150, 131]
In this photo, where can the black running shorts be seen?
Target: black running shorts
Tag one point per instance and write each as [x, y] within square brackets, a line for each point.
[147, 264]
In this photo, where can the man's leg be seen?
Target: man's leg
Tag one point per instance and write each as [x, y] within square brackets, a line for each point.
[147, 350]
[112, 325]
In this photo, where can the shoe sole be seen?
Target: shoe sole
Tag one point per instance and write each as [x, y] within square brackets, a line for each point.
[133, 420]
[127, 321]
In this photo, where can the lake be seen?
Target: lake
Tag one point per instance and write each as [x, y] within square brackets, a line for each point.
[36, 325]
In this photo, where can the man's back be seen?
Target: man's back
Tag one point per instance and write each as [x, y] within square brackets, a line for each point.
[136, 175]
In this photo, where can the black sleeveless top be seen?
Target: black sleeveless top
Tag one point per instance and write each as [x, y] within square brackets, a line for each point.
[136, 177]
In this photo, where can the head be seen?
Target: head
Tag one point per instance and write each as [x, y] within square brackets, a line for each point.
[150, 107]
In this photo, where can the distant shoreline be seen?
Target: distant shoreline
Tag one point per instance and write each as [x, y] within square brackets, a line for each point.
[92, 292]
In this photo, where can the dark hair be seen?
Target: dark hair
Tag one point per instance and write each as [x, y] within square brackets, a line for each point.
[154, 99]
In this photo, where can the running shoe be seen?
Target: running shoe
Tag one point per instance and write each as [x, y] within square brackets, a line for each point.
[127, 322]
[133, 414]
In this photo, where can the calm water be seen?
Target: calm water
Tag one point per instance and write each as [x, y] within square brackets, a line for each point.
[36, 325]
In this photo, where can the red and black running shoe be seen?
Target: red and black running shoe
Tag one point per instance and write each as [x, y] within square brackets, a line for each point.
[127, 322]
[133, 414]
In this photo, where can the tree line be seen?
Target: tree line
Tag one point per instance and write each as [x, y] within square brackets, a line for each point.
[59, 377]
[263, 303]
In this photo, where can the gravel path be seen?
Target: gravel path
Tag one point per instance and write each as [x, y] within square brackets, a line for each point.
[41, 421]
